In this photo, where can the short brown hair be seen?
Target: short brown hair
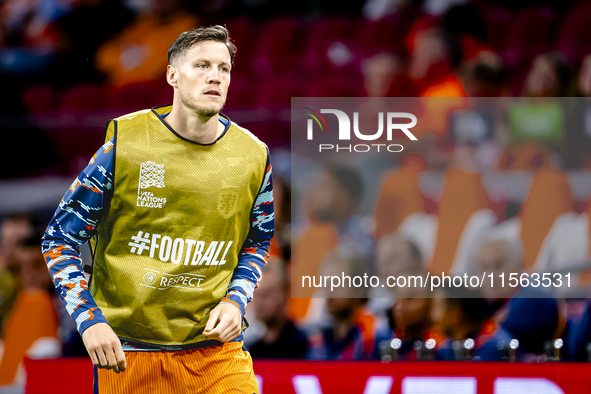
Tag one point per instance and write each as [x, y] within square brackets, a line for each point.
[189, 38]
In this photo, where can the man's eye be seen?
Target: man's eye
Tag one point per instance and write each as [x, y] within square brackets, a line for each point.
[201, 65]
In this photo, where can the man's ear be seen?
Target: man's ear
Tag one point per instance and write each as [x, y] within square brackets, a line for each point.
[171, 76]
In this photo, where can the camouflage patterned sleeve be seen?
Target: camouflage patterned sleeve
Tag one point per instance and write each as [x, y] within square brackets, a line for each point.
[253, 257]
[73, 224]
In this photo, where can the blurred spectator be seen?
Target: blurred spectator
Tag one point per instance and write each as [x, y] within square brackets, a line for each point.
[32, 326]
[280, 338]
[408, 320]
[438, 7]
[79, 34]
[498, 254]
[467, 22]
[532, 321]
[383, 76]
[349, 332]
[376, 9]
[434, 59]
[549, 76]
[379, 72]
[8, 292]
[138, 53]
[27, 48]
[459, 314]
[584, 78]
[34, 275]
[14, 228]
[484, 78]
[331, 204]
[579, 339]
[281, 242]
[395, 256]
[334, 198]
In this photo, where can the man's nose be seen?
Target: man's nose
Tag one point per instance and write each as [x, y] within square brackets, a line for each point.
[214, 76]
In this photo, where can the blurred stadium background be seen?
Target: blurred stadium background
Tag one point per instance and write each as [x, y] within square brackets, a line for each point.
[67, 66]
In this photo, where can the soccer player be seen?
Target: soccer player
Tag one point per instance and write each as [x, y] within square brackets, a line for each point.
[178, 204]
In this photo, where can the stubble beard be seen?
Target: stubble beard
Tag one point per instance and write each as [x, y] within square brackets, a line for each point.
[207, 112]
[201, 111]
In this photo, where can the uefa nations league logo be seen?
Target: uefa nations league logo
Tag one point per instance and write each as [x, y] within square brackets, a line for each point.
[151, 175]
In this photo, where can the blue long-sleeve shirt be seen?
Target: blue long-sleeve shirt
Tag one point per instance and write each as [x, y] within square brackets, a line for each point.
[80, 212]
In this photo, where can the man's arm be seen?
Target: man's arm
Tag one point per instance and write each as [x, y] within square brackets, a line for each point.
[251, 262]
[74, 223]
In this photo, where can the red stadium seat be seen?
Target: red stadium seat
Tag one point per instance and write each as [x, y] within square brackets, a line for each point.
[137, 95]
[529, 35]
[241, 90]
[274, 91]
[498, 21]
[574, 36]
[386, 34]
[245, 35]
[323, 33]
[273, 132]
[40, 98]
[162, 95]
[86, 97]
[277, 49]
[345, 84]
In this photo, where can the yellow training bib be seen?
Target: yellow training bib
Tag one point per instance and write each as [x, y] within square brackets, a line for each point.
[179, 215]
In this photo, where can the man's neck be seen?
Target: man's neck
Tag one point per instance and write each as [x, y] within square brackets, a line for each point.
[194, 127]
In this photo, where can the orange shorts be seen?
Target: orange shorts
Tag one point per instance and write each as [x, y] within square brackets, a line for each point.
[213, 369]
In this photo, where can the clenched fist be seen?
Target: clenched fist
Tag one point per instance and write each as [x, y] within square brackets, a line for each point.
[104, 347]
[224, 324]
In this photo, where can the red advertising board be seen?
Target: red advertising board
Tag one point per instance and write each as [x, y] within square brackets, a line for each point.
[299, 377]
[423, 378]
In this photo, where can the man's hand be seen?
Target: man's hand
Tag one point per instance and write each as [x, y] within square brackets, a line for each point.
[104, 347]
[224, 324]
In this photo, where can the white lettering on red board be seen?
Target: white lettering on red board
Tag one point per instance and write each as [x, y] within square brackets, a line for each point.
[310, 384]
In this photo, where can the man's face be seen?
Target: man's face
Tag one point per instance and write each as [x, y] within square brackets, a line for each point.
[411, 311]
[203, 77]
[328, 199]
[269, 303]
[394, 258]
[34, 274]
[495, 257]
[542, 80]
[444, 317]
[584, 81]
[342, 308]
[11, 233]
